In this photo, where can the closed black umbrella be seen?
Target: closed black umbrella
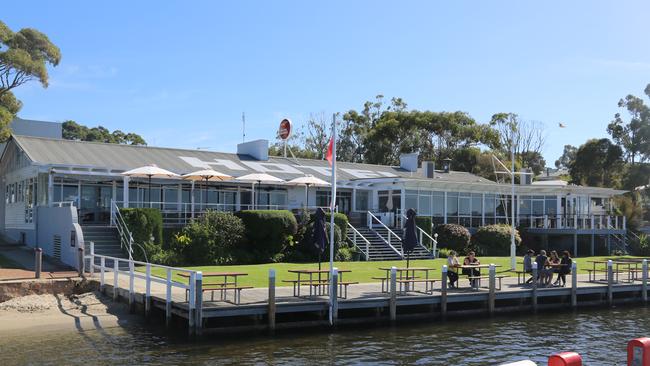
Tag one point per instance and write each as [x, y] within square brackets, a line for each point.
[410, 239]
[320, 234]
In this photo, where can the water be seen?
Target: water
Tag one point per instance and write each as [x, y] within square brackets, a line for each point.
[600, 336]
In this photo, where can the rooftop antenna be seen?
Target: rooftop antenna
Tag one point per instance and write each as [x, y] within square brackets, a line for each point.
[243, 122]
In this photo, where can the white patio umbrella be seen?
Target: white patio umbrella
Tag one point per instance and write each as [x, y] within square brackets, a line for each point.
[207, 175]
[150, 171]
[308, 181]
[258, 178]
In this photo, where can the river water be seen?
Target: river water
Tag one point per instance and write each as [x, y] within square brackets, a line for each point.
[600, 336]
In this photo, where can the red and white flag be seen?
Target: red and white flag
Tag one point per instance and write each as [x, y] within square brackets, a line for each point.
[330, 149]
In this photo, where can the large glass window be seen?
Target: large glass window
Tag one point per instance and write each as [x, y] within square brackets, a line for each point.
[452, 204]
[438, 204]
[464, 204]
[424, 204]
[362, 203]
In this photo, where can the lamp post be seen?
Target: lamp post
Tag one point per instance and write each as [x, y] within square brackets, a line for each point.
[513, 248]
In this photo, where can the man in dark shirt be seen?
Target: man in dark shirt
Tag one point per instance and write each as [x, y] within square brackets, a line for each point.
[541, 262]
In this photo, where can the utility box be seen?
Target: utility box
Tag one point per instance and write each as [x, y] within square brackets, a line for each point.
[638, 352]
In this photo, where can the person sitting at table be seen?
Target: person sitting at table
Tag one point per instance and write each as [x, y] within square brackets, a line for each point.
[564, 269]
[541, 261]
[552, 267]
[452, 271]
[528, 263]
[471, 272]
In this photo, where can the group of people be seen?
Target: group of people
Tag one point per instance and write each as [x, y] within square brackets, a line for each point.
[453, 265]
[547, 266]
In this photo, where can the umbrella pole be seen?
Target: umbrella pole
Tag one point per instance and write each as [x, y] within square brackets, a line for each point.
[149, 193]
[205, 189]
[408, 257]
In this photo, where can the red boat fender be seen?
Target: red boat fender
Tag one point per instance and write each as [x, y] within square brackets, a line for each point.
[565, 359]
[638, 352]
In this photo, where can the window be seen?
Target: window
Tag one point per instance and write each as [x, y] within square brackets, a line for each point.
[424, 205]
[438, 204]
[464, 204]
[490, 205]
[362, 201]
[452, 204]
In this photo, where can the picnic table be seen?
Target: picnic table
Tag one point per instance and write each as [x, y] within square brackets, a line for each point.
[475, 281]
[225, 281]
[407, 278]
[318, 286]
[619, 266]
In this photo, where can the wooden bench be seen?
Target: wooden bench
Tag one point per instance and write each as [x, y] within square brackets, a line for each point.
[384, 282]
[343, 286]
[593, 272]
[521, 276]
[477, 280]
[428, 284]
[222, 288]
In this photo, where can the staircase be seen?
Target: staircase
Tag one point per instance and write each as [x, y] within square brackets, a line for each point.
[106, 239]
[379, 250]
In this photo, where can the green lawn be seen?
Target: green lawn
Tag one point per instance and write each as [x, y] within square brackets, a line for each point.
[361, 271]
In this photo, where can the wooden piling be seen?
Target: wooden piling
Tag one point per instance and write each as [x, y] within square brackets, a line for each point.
[271, 306]
[393, 294]
[198, 303]
[644, 280]
[492, 284]
[533, 298]
[610, 283]
[168, 299]
[131, 287]
[574, 285]
[334, 295]
[80, 262]
[191, 315]
[38, 265]
[116, 273]
[102, 275]
[443, 293]
[147, 292]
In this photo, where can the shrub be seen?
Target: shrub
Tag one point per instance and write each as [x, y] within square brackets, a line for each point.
[494, 240]
[341, 221]
[453, 236]
[444, 252]
[146, 227]
[267, 233]
[211, 239]
[641, 246]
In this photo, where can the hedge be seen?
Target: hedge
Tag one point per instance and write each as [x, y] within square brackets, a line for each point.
[213, 238]
[267, 233]
[494, 240]
[145, 224]
[453, 236]
[341, 221]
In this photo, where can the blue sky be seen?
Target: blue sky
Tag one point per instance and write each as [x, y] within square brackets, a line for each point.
[181, 73]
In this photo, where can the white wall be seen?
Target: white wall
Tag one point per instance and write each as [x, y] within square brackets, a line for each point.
[61, 221]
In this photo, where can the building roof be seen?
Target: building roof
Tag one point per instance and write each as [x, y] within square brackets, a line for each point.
[117, 158]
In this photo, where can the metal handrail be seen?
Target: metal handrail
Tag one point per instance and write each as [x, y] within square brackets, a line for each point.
[126, 238]
[390, 232]
[356, 232]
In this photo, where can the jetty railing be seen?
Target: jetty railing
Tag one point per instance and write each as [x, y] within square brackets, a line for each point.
[102, 265]
[359, 240]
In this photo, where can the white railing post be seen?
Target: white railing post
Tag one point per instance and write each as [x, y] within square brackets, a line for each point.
[116, 272]
[609, 222]
[92, 259]
[147, 296]
[624, 223]
[102, 280]
[168, 298]
[545, 221]
[616, 222]
[575, 222]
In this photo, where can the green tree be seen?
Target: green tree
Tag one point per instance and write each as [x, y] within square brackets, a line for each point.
[74, 131]
[533, 160]
[568, 156]
[634, 135]
[24, 56]
[598, 163]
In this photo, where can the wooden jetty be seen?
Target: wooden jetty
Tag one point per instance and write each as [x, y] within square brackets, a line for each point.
[274, 307]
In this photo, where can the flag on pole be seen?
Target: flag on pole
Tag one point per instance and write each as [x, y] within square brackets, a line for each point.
[330, 151]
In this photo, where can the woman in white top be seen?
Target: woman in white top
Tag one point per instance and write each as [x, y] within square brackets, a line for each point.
[452, 269]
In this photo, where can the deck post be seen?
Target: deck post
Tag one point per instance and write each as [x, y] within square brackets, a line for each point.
[198, 304]
[91, 264]
[575, 243]
[131, 285]
[102, 275]
[610, 283]
[334, 295]
[492, 294]
[443, 293]
[168, 299]
[116, 272]
[533, 298]
[644, 280]
[191, 305]
[593, 242]
[393, 294]
[147, 292]
[574, 285]
[271, 308]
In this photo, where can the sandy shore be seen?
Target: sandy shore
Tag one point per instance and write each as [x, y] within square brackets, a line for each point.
[42, 313]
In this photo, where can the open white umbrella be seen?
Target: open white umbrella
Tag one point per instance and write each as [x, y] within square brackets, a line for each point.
[150, 171]
[308, 181]
[207, 175]
[258, 178]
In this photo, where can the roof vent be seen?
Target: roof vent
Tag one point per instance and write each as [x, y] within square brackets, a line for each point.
[446, 165]
[429, 169]
[526, 176]
[257, 149]
[409, 162]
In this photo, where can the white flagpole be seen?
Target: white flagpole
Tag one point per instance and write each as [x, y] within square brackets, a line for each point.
[332, 208]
